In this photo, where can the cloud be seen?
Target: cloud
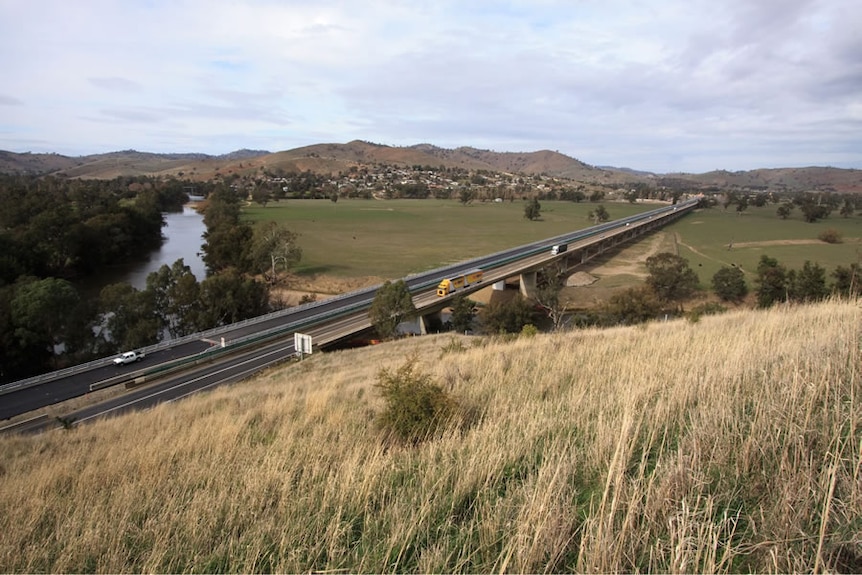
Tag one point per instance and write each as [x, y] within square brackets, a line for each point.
[116, 84]
[675, 85]
[10, 101]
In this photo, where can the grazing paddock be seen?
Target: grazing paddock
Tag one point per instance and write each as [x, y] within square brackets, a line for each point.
[395, 238]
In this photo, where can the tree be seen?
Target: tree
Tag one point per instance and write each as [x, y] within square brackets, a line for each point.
[784, 210]
[229, 297]
[847, 209]
[729, 284]
[227, 239]
[670, 277]
[631, 306]
[129, 317]
[548, 294]
[532, 210]
[809, 284]
[463, 312]
[599, 215]
[812, 211]
[847, 280]
[507, 317]
[274, 246]
[42, 311]
[175, 296]
[465, 196]
[392, 304]
[771, 281]
[261, 195]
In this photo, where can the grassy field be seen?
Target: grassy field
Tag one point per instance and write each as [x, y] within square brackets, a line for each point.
[712, 238]
[392, 239]
[731, 445]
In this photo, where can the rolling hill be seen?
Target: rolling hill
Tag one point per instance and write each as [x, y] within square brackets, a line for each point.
[730, 445]
[333, 158]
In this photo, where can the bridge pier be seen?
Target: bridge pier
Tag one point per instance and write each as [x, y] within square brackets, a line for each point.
[528, 284]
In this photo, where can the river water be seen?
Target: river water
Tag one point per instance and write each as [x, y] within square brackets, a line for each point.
[183, 233]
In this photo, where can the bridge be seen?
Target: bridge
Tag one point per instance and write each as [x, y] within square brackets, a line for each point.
[266, 340]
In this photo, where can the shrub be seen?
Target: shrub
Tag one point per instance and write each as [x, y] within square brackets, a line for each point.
[308, 298]
[507, 317]
[453, 346]
[529, 330]
[708, 308]
[416, 407]
[830, 236]
[630, 306]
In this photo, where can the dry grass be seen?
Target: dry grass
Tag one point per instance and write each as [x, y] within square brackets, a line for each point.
[728, 445]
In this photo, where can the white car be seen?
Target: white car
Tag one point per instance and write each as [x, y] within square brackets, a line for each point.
[128, 357]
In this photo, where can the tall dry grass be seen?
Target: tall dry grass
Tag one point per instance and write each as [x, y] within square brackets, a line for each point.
[727, 445]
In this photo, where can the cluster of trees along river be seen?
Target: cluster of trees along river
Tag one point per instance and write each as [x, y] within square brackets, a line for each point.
[64, 243]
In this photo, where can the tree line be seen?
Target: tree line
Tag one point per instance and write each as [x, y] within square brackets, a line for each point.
[53, 227]
[670, 283]
[47, 324]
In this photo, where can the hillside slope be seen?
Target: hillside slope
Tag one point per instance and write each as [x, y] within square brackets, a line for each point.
[333, 158]
[727, 445]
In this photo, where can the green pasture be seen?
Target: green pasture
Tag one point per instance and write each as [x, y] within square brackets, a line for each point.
[710, 239]
[395, 238]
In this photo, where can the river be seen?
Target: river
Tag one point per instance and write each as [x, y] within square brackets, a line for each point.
[183, 233]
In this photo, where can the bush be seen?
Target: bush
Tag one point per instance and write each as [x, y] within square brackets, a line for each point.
[529, 330]
[416, 407]
[830, 236]
[507, 317]
[629, 307]
[454, 346]
[708, 308]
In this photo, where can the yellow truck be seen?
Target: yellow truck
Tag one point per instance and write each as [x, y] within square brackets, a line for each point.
[455, 283]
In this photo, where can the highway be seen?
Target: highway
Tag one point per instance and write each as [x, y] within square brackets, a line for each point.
[236, 351]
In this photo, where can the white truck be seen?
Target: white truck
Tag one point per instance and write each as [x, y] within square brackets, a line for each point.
[128, 357]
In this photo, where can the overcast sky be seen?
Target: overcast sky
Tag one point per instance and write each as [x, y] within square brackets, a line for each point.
[660, 85]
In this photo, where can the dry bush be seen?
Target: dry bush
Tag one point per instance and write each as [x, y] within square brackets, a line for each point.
[830, 236]
[416, 407]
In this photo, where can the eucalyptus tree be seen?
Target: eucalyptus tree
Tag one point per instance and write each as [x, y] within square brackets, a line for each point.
[392, 305]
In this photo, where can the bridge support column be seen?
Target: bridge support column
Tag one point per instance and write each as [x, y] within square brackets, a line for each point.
[430, 321]
[528, 284]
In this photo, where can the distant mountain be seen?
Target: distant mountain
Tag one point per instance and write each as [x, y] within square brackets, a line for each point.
[244, 154]
[335, 158]
[810, 178]
[321, 158]
[27, 163]
[629, 171]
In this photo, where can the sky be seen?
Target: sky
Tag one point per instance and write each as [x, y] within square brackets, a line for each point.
[658, 85]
